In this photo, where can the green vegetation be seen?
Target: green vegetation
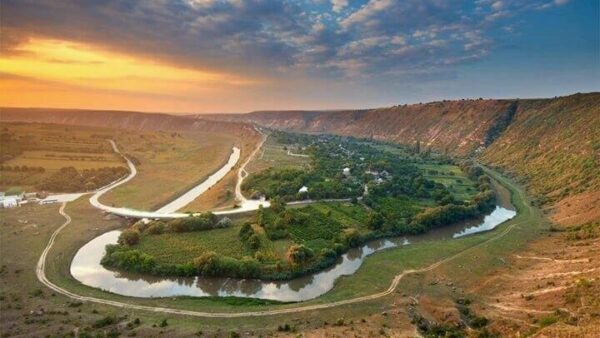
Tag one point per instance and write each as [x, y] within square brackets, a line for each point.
[386, 195]
[552, 145]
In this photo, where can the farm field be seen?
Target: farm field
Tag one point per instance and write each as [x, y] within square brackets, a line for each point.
[33, 155]
[452, 177]
[275, 153]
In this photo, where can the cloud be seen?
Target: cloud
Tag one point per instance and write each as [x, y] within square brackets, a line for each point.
[338, 5]
[274, 38]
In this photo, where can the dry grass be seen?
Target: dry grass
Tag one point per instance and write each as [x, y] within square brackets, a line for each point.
[169, 164]
[222, 194]
[272, 154]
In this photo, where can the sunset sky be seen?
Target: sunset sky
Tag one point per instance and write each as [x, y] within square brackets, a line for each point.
[237, 56]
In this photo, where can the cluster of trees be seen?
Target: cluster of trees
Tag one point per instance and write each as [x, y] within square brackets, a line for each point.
[249, 236]
[69, 179]
[208, 264]
[203, 221]
[22, 168]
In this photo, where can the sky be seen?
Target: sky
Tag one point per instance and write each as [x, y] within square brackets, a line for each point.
[235, 56]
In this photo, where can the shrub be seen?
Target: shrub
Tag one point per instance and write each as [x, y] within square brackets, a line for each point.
[299, 254]
[129, 237]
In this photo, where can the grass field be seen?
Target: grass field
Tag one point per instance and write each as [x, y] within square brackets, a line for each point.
[168, 164]
[273, 154]
[51, 147]
[180, 248]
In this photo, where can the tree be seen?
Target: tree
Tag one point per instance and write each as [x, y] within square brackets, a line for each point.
[375, 220]
[129, 237]
[299, 254]
[277, 204]
[246, 231]
[254, 242]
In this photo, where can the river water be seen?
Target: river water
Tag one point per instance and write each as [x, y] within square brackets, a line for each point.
[87, 269]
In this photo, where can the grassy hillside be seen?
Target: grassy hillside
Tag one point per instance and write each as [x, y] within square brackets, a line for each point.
[554, 146]
[551, 145]
[456, 126]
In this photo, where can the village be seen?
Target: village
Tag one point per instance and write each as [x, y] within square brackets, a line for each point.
[14, 199]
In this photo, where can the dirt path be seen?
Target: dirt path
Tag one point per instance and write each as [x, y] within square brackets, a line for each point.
[242, 173]
[584, 260]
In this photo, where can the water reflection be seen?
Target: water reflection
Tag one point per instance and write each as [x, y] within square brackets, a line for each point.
[87, 269]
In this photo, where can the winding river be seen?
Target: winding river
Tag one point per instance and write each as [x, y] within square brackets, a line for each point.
[87, 269]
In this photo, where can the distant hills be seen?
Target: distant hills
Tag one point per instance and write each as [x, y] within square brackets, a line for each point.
[551, 145]
[123, 120]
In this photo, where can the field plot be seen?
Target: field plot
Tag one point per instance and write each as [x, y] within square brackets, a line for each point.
[184, 247]
[168, 164]
[452, 177]
[33, 156]
[280, 155]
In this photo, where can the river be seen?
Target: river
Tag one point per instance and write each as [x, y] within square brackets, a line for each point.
[87, 269]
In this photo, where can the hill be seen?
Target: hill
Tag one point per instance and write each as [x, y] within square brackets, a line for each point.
[124, 120]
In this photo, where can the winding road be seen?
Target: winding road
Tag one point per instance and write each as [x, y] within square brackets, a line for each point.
[41, 275]
[169, 210]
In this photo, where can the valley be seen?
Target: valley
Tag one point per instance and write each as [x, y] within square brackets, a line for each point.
[396, 198]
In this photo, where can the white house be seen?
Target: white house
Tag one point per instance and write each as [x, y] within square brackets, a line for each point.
[346, 171]
[10, 202]
[304, 189]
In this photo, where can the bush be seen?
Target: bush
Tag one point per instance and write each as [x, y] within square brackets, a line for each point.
[129, 237]
[299, 254]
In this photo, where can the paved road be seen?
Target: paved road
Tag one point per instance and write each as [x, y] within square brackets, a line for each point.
[40, 272]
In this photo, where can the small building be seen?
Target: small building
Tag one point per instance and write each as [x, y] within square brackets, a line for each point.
[304, 189]
[48, 201]
[10, 202]
[346, 171]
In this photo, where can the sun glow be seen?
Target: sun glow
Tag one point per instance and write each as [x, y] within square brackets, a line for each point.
[51, 71]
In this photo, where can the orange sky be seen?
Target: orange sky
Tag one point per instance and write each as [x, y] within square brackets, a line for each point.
[55, 73]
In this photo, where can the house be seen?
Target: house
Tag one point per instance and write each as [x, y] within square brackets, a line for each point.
[304, 189]
[9, 202]
[346, 171]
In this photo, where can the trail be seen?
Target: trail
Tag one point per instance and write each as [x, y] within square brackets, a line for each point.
[242, 173]
[583, 260]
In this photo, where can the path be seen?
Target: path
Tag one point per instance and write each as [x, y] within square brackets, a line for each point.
[244, 203]
[40, 272]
